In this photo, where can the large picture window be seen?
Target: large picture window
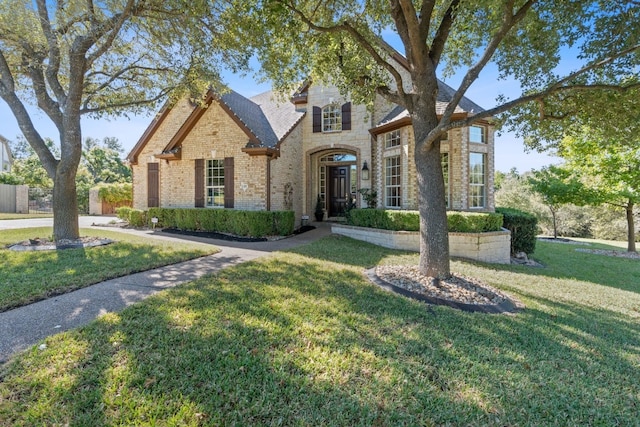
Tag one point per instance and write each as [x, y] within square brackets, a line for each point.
[214, 184]
[477, 180]
[392, 187]
[332, 118]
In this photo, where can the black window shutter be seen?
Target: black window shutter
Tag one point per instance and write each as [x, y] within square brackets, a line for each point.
[346, 116]
[317, 119]
[199, 180]
[228, 182]
[153, 185]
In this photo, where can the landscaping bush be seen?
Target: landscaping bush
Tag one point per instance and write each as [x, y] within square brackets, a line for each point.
[137, 218]
[124, 213]
[523, 227]
[462, 222]
[240, 223]
[116, 193]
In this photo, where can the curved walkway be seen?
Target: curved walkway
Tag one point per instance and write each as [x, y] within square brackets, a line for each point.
[23, 327]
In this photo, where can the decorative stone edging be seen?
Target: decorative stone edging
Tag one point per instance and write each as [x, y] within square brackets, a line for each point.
[63, 245]
[507, 306]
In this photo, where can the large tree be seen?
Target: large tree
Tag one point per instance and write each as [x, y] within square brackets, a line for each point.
[83, 58]
[341, 42]
[609, 165]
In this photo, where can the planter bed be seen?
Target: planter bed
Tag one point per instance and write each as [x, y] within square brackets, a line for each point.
[493, 247]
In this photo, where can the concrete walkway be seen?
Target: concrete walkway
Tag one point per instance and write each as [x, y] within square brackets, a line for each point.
[25, 326]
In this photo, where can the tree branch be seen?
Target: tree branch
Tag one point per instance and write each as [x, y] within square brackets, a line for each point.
[509, 21]
[164, 92]
[53, 66]
[426, 10]
[359, 38]
[442, 34]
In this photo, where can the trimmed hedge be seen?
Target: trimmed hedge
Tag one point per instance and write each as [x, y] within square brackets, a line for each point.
[239, 223]
[523, 227]
[461, 222]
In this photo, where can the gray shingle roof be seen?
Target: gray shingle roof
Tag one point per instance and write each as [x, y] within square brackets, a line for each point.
[445, 93]
[267, 119]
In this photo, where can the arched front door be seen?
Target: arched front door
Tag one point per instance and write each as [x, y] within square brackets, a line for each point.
[337, 181]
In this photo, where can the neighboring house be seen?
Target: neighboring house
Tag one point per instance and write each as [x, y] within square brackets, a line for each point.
[6, 160]
[263, 154]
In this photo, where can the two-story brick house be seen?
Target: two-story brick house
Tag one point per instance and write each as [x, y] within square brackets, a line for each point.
[261, 153]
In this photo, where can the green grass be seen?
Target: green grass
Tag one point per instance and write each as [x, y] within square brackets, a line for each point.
[31, 276]
[23, 216]
[302, 338]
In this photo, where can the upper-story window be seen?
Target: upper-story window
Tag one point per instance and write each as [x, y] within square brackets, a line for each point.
[331, 118]
[392, 139]
[478, 134]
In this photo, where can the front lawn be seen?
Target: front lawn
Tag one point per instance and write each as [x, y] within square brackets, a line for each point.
[31, 276]
[302, 338]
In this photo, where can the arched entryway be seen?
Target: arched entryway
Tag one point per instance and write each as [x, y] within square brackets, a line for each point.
[337, 180]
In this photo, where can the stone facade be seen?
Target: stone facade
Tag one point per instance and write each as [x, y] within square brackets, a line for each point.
[288, 168]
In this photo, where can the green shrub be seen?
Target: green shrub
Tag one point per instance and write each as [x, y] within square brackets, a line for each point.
[116, 193]
[124, 213]
[462, 222]
[240, 223]
[523, 227]
[137, 218]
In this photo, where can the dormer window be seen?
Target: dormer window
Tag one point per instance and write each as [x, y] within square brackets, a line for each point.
[332, 118]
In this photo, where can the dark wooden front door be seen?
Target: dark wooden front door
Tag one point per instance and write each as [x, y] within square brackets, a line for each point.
[338, 189]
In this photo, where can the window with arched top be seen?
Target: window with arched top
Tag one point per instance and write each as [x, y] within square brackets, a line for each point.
[332, 118]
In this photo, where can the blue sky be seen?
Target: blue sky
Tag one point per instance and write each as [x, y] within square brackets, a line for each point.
[510, 151]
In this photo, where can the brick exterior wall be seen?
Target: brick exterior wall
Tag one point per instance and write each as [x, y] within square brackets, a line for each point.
[215, 136]
[290, 180]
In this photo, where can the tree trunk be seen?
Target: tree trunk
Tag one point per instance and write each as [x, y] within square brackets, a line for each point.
[555, 227]
[434, 235]
[631, 229]
[65, 207]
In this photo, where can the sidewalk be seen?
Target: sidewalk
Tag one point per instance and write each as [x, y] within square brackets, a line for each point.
[25, 326]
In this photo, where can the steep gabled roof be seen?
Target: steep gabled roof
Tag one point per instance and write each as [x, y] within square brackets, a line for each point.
[265, 121]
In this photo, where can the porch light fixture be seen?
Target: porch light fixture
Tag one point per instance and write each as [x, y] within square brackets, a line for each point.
[365, 171]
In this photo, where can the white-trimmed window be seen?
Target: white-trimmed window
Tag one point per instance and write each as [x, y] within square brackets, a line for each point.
[214, 184]
[392, 184]
[392, 139]
[332, 118]
[477, 180]
[444, 159]
[478, 134]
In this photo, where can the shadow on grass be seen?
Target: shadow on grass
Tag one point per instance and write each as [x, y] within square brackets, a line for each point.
[293, 340]
[28, 277]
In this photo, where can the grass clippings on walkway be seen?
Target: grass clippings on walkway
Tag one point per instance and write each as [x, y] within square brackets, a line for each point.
[31, 276]
[302, 338]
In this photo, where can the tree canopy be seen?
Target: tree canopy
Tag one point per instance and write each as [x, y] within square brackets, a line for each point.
[342, 42]
[83, 58]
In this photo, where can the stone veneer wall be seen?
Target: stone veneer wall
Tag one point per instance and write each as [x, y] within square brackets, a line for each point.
[492, 247]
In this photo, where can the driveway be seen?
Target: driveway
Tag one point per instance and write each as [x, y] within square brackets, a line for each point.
[85, 221]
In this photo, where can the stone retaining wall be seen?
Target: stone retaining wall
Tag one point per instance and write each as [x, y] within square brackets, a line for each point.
[493, 247]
